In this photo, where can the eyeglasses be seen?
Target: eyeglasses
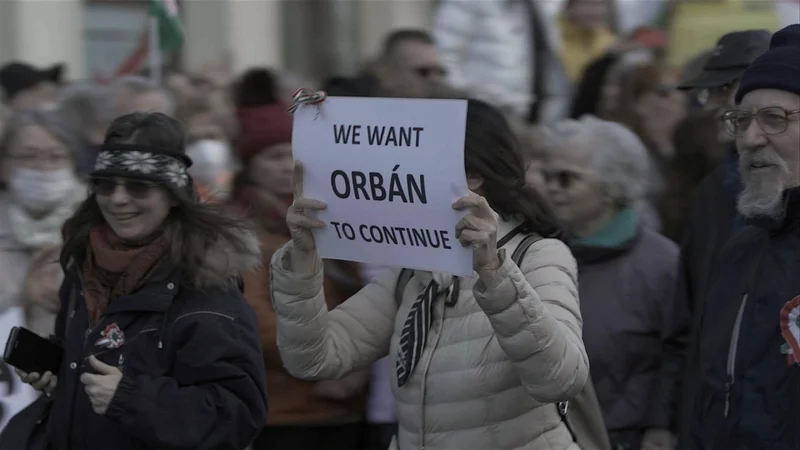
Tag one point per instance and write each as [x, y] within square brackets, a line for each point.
[772, 120]
[427, 71]
[564, 178]
[104, 187]
[664, 90]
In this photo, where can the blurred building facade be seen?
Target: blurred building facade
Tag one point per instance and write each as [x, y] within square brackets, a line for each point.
[93, 37]
[311, 37]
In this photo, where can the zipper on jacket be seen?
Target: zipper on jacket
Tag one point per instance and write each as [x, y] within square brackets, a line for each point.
[731, 368]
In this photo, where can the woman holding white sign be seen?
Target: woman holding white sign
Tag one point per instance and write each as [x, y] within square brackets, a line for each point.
[479, 361]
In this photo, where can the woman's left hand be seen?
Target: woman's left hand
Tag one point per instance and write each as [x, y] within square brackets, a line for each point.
[479, 229]
[101, 387]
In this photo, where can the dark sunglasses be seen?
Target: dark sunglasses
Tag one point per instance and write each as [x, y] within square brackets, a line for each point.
[427, 71]
[564, 178]
[665, 90]
[135, 188]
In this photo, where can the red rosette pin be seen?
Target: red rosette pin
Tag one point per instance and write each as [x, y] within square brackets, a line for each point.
[790, 329]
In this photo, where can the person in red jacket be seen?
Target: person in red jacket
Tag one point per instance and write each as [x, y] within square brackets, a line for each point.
[313, 415]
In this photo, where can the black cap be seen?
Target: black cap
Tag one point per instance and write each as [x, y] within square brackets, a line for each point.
[734, 53]
[16, 77]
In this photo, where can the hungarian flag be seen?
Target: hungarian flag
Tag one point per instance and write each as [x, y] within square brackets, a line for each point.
[170, 29]
[170, 38]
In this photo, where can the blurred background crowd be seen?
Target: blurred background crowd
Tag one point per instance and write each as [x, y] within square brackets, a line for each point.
[616, 103]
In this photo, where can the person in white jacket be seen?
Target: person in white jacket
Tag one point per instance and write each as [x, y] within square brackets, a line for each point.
[479, 363]
[506, 52]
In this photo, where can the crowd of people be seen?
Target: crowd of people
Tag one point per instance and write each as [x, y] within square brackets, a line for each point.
[634, 229]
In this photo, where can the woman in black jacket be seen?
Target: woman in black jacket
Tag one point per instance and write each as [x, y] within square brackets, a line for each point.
[161, 349]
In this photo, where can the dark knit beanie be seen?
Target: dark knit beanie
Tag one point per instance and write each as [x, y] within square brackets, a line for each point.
[778, 68]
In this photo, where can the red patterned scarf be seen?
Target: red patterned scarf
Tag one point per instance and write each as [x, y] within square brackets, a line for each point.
[113, 268]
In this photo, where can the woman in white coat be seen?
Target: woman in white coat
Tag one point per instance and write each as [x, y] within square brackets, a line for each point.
[481, 361]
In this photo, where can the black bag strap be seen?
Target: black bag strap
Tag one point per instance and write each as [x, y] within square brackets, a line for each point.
[402, 282]
[406, 274]
[539, 60]
[522, 248]
[517, 256]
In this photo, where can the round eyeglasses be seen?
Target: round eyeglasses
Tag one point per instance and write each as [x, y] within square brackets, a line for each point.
[772, 120]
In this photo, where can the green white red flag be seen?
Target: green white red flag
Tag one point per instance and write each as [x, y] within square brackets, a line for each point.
[170, 28]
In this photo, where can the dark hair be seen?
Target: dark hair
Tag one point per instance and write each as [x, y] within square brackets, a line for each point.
[590, 87]
[397, 37]
[492, 151]
[698, 151]
[256, 87]
[528, 138]
[191, 229]
[635, 83]
[351, 87]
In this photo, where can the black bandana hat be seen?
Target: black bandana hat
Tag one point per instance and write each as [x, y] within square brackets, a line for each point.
[167, 168]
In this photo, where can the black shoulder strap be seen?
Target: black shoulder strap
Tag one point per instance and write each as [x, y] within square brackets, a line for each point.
[522, 248]
[539, 59]
[517, 257]
[519, 253]
[402, 282]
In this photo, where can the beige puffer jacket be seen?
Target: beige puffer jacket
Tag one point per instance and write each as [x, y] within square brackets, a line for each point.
[493, 364]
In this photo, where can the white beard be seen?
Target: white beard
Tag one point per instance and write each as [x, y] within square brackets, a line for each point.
[764, 201]
[763, 188]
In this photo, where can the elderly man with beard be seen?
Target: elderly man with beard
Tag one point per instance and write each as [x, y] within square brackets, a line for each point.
[712, 222]
[749, 338]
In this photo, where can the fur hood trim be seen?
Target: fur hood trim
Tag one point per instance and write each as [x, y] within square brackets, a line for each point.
[223, 263]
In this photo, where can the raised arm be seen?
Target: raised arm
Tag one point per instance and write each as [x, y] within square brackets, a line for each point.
[318, 344]
[535, 313]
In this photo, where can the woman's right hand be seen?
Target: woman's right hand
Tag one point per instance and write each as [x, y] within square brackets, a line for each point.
[300, 222]
[45, 383]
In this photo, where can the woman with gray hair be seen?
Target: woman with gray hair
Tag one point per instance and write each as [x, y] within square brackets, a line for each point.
[596, 175]
[88, 109]
[38, 192]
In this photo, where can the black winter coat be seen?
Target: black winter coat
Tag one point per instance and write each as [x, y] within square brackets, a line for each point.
[712, 222]
[193, 371]
[749, 386]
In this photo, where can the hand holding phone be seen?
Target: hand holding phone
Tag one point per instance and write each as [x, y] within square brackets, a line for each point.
[45, 383]
[31, 353]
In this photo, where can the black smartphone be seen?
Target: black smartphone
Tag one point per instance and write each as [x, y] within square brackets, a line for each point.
[29, 352]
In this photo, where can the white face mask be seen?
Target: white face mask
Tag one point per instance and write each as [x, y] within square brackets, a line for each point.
[211, 165]
[209, 157]
[41, 190]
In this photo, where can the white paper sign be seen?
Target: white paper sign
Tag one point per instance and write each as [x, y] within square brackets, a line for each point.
[14, 394]
[389, 170]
